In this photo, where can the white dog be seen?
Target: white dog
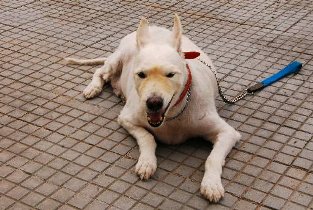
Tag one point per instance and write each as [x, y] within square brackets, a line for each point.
[167, 97]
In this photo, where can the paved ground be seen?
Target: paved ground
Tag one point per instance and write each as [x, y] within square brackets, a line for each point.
[60, 151]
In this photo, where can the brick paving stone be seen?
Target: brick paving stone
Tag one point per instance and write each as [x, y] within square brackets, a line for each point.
[301, 198]
[98, 165]
[5, 202]
[180, 196]
[45, 172]
[244, 179]
[169, 204]
[296, 173]
[46, 189]
[75, 184]
[114, 171]
[17, 192]
[96, 205]
[91, 190]
[32, 199]
[32, 182]
[57, 163]
[79, 201]
[126, 163]
[141, 206]
[228, 200]
[87, 174]
[18, 206]
[5, 186]
[59, 178]
[280, 191]
[303, 163]
[269, 176]
[135, 192]
[290, 205]
[66, 207]
[163, 189]
[242, 204]
[254, 195]
[197, 203]
[130, 177]
[306, 188]
[289, 182]
[274, 202]
[49, 204]
[103, 180]
[119, 186]
[62, 195]
[5, 170]
[174, 180]
[108, 196]
[124, 202]
[189, 186]
[17, 176]
[153, 199]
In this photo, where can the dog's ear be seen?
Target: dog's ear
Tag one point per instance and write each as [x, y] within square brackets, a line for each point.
[142, 32]
[177, 33]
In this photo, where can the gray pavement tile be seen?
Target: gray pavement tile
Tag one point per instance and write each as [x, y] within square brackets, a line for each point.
[79, 201]
[62, 195]
[169, 204]
[32, 199]
[290, 205]
[6, 202]
[46, 189]
[17, 192]
[242, 204]
[124, 202]
[153, 199]
[17, 206]
[274, 202]
[48, 204]
[108, 196]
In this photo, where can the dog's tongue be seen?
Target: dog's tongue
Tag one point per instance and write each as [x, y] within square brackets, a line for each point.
[155, 117]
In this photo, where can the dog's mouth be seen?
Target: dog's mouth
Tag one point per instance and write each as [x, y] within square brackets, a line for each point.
[155, 119]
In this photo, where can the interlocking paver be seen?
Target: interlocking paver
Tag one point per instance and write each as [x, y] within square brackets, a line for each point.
[59, 150]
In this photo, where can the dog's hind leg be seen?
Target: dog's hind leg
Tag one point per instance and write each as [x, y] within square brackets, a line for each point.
[75, 61]
[102, 75]
[147, 162]
[224, 138]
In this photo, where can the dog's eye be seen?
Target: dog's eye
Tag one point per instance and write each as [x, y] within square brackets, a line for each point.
[170, 75]
[141, 75]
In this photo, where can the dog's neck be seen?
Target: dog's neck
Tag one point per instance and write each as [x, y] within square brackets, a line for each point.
[187, 89]
[187, 55]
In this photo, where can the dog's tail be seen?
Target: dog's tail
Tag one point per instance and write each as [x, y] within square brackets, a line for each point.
[88, 62]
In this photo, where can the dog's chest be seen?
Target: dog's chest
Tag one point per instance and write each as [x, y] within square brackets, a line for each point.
[173, 133]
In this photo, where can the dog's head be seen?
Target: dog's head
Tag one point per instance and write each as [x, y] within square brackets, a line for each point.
[160, 70]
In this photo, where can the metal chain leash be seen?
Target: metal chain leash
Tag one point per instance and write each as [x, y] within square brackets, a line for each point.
[240, 96]
[185, 106]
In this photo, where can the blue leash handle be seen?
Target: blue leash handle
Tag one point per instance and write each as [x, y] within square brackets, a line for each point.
[291, 68]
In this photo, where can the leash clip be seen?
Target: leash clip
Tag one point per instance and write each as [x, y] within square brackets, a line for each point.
[254, 88]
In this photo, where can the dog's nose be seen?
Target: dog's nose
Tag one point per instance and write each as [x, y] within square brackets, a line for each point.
[154, 103]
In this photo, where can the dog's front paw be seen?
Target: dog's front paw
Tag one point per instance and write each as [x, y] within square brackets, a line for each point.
[211, 187]
[146, 167]
[92, 90]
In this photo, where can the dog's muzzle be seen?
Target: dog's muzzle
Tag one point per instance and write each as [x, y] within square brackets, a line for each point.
[155, 110]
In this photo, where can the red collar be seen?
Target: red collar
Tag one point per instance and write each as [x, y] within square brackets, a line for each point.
[187, 55]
